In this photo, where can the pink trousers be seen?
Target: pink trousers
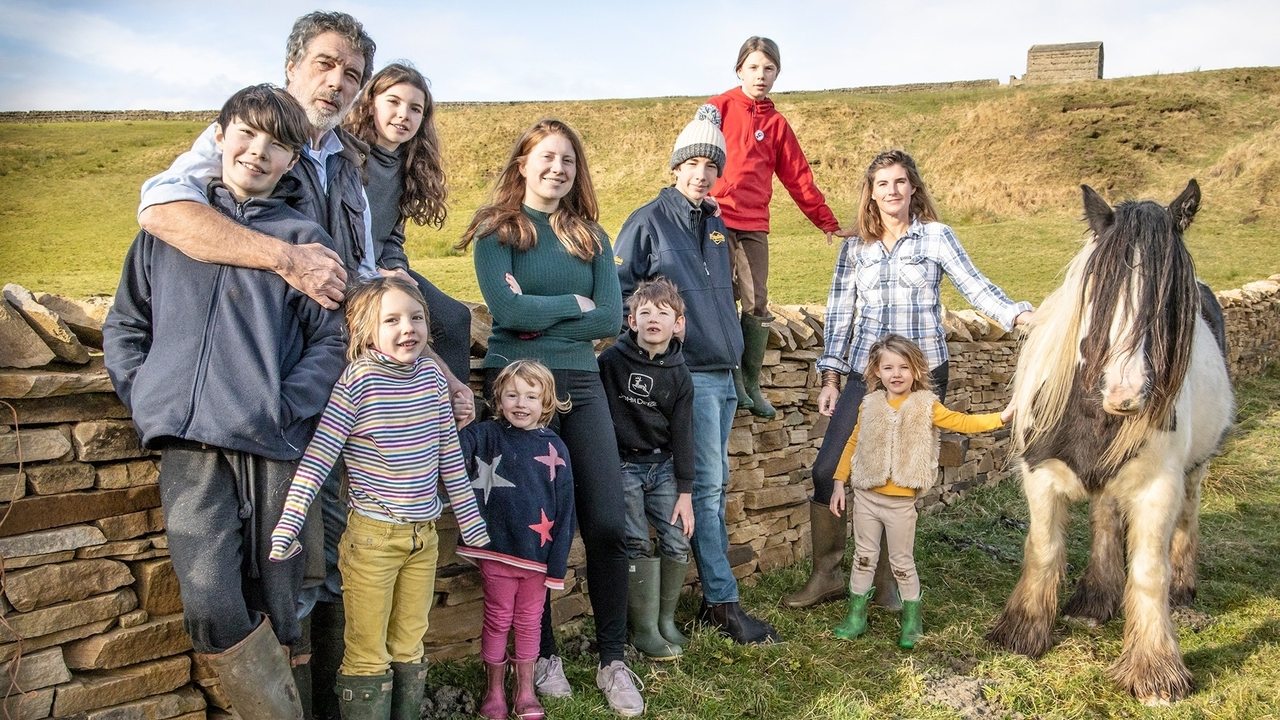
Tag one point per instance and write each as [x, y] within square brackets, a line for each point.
[513, 598]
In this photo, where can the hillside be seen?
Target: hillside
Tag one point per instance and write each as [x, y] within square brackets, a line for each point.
[1005, 164]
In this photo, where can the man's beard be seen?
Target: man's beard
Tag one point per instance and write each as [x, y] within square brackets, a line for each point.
[323, 120]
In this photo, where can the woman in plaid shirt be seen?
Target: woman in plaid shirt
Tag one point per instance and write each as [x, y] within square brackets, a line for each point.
[887, 280]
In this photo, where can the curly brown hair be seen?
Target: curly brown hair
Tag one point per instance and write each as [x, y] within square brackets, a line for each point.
[425, 194]
[870, 226]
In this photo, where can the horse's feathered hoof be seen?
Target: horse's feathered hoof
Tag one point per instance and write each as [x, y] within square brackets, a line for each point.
[1153, 680]
[1022, 634]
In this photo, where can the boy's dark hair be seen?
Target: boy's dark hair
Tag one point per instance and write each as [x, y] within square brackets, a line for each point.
[659, 291]
[306, 28]
[271, 110]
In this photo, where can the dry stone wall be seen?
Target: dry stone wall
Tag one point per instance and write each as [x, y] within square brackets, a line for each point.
[1067, 62]
[90, 602]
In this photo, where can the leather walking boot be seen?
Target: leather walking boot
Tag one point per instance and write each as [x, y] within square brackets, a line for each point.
[731, 620]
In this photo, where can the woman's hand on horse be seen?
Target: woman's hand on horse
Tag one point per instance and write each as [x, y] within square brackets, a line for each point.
[1007, 414]
[1026, 317]
[827, 398]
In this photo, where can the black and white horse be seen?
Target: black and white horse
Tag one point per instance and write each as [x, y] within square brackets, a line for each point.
[1122, 397]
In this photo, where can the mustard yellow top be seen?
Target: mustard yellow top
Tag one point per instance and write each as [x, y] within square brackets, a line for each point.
[943, 417]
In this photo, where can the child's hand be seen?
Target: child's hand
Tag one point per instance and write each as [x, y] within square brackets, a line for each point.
[463, 400]
[837, 499]
[682, 516]
[283, 548]
[1007, 414]
[511, 283]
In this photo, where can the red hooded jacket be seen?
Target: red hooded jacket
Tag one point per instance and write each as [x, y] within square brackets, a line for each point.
[759, 143]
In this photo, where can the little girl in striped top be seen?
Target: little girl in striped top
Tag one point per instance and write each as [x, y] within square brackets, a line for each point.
[389, 417]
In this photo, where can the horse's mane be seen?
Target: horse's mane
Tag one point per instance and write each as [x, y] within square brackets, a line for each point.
[1072, 326]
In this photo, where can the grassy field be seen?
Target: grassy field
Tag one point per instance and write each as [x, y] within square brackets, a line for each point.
[1005, 164]
[969, 556]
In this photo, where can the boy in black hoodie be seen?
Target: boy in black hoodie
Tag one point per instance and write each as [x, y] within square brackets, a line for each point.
[225, 370]
[650, 396]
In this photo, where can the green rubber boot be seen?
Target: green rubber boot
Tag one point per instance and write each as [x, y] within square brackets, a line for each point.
[642, 611]
[364, 697]
[673, 572]
[855, 623]
[755, 337]
[410, 685]
[744, 400]
[912, 624]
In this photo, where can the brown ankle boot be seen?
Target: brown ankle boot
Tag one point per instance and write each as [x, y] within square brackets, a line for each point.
[524, 700]
[494, 706]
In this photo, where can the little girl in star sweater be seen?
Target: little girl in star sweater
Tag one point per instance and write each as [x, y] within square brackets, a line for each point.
[892, 456]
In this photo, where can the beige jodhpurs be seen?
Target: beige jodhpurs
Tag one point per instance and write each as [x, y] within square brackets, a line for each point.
[872, 512]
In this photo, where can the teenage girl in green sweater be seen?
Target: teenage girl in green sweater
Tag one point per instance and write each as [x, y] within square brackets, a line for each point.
[545, 268]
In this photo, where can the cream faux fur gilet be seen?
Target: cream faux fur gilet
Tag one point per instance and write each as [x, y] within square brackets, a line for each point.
[901, 444]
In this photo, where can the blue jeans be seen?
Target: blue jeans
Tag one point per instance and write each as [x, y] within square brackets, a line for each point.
[714, 403]
[650, 490]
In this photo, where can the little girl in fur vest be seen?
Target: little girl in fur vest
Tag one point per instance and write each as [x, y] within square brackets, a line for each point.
[891, 457]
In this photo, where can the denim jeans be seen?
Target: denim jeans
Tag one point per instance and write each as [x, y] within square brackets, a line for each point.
[714, 403]
[650, 490]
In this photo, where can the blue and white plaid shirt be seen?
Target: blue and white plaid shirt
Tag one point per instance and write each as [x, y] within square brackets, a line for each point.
[875, 292]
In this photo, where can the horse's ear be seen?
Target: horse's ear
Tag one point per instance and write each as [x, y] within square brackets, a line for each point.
[1096, 211]
[1184, 207]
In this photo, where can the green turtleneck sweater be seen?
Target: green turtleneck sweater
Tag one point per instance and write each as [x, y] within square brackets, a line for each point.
[543, 322]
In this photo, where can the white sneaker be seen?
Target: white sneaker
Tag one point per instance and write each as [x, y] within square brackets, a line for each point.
[549, 679]
[619, 685]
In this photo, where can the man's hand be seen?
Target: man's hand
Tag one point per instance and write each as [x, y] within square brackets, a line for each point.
[316, 271]
[682, 516]
[397, 272]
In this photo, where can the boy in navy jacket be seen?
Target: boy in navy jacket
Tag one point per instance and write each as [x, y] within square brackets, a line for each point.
[225, 371]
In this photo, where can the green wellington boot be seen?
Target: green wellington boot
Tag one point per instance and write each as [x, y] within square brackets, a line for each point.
[672, 582]
[410, 684]
[744, 400]
[256, 677]
[755, 337]
[855, 623]
[364, 697]
[642, 611]
[912, 624]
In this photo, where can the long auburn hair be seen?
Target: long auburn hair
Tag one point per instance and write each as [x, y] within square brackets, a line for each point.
[576, 218]
[870, 225]
[425, 193]
[1137, 242]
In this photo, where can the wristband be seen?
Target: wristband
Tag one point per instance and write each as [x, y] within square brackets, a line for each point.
[831, 378]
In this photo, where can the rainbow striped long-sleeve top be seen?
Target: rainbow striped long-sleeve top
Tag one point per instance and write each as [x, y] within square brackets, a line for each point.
[394, 426]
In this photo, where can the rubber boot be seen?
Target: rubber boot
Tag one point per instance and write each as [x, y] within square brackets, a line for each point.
[912, 624]
[256, 677]
[642, 611]
[744, 400]
[755, 336]
[328, 620]
[524, 700]
[855, 622]
[494, 705]
[300, 667]
[886, 584]
[364, 697]
[672, 574]
[410, 684]
[826, 580]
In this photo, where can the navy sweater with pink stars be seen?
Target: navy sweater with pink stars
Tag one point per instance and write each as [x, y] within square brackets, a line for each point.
[524, 486]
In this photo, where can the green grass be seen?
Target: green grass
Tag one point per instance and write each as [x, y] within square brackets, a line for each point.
[1004, 163]
[1231, 640]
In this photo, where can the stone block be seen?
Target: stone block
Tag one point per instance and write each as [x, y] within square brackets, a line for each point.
[49, 541]
[35, 670]
[951, 449]
[458, 584]
[127, 526]
[67, 615]
[455, 623]
[8, 651]
[157, 586]
[784, 464]
[38, 444]
[51, 329]
[133, 618]
[771, 440]
[453, 651]
[183, 701]
[777, 556]
[741, 441]
[124, 549]
[51, 382]
[98, 440]
[41, 512]
[50, 584]
[733, 508]
[83, 317]
[27, 561]
[770, 497]
[128, 474]
[32, 705]
[13, 485]
[20, 346]
[563, 610]
[57, 478]
[113, 687]
[66, 408]
[157, 638]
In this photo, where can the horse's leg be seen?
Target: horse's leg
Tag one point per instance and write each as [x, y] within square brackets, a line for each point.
[1026, 625]
[1150, 664]
[1097, 595]
[1186, 541]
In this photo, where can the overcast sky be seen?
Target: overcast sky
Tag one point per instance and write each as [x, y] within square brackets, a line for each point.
[179, 55]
